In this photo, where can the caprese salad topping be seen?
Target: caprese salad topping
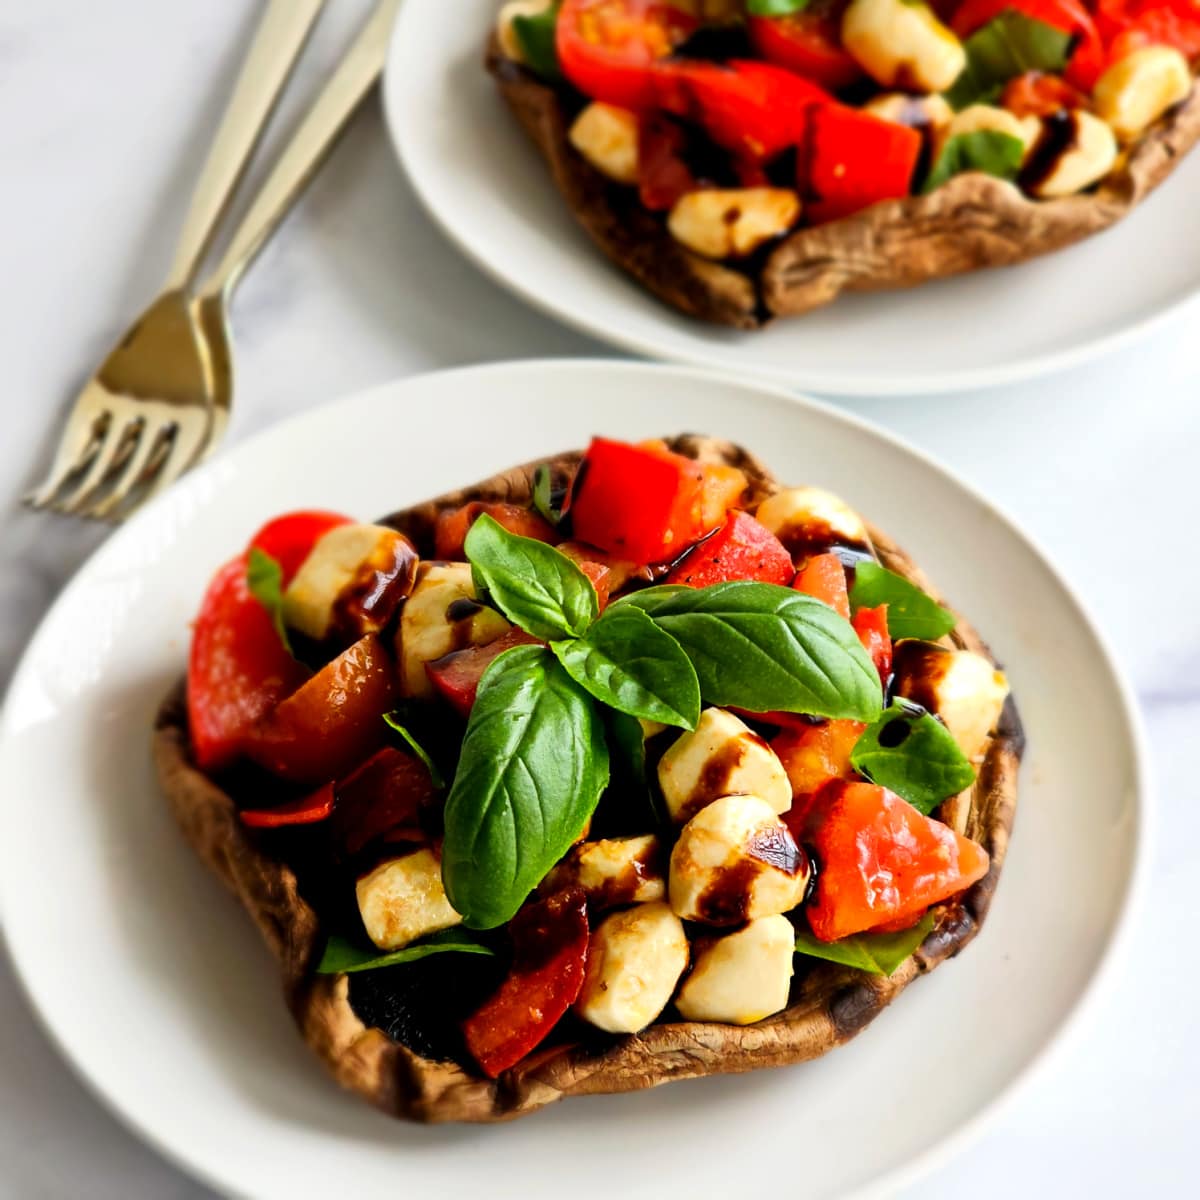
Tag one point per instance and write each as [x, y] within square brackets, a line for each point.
[740, 120]
[645, 744]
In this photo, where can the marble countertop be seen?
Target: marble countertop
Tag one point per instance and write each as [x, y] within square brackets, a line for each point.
[104, 115]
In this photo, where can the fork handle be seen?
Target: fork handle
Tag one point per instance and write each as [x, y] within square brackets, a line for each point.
[304, 153]
[281, 36]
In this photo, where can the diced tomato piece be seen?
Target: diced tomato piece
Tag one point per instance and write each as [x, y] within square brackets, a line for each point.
[608, 48]
[872, 628]
[308, 810]
[589, 561]
[550, 942]
[452, 527]
[815, 754]
[455, 676]
[1129, 25]
[853, 160]
[382, 799]
[880, 861]
[741, 549]
[1036, 94]
[645, 504]
[824, 577]
[332, 722]
[808, 42]
[1070, 16]
[290, 538]
[663, 173]
[238, 668]
[751, 108]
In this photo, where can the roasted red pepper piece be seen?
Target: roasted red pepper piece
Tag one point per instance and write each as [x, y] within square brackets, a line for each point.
[741, 549]
[1036, 94]
[588, 560]
[308, 810]
[663, 173]
[451, 530]
[880, 861]
[853, 160]
[824, 577]
[645, 504]
[1070, 16]
[455, 676]
[808, 42]
[550, 941]
[815, 754]
[331, 723]
[753, 109]
[608, 48]
[1128, 25]
[872, 628]
[290, 538]
[384, 798]
[238, 669]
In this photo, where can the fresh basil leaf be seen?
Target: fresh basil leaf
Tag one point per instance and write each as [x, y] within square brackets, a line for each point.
[627, 662]
[264, 579]
[343, 957]
[533, 765]
[536, 36]
[878, 953]
[987, 150]
[914, 755]
[775, 8]
[911, 613]
[531, 583]
[760, 646]
[543, 495]
[1007, 46]
[393, 721]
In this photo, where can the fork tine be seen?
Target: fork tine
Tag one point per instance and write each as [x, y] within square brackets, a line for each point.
[193, 433]
[135, 471]
[77, 446]
[107, 458]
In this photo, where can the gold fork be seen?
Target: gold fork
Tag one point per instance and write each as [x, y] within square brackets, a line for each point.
[145, 411]
[162, 398]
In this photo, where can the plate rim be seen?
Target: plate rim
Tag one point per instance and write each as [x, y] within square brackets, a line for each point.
[843, 384]
[938, 1153]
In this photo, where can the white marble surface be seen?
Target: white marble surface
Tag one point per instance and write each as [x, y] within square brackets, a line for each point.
[104, 112]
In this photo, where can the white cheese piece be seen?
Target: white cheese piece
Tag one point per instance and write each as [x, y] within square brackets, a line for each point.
[735, 861]
[902, 44]
[721, 756]
[403, 899]
[635, 959]
[742, 977]
[811, 516]
[607, 136]
[613, 871]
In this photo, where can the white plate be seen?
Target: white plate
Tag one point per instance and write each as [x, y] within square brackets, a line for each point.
[156, 987]
[482, 181]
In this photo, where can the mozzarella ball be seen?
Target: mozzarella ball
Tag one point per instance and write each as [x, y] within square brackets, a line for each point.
[403, 899]
[613, 871]
[809, 520]
[1136, 90]
[441, 615]
[607, 137]
[635, 959]
[902, 44]
[721, 756]
[736, 861]
[1089, 155]
[732, 222]
[742, 977]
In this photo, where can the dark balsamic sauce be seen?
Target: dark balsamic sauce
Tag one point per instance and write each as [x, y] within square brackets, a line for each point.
[1060, 133]
[463, 609]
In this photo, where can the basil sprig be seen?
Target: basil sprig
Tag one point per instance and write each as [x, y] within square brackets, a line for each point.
[987, 150]
[543, 495]
[531, 583]
[876, 953]
[264, 579]
[911, 613]
[343, 957]
[629, 663]
[534, 762]
[535, 35]
[775, 8]
[534, 758]
[394, 721]
[1007, 46]
[914, 755]
[760, 646]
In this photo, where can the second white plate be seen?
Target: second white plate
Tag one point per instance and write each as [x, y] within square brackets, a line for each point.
[158, 989]
[483, 182]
